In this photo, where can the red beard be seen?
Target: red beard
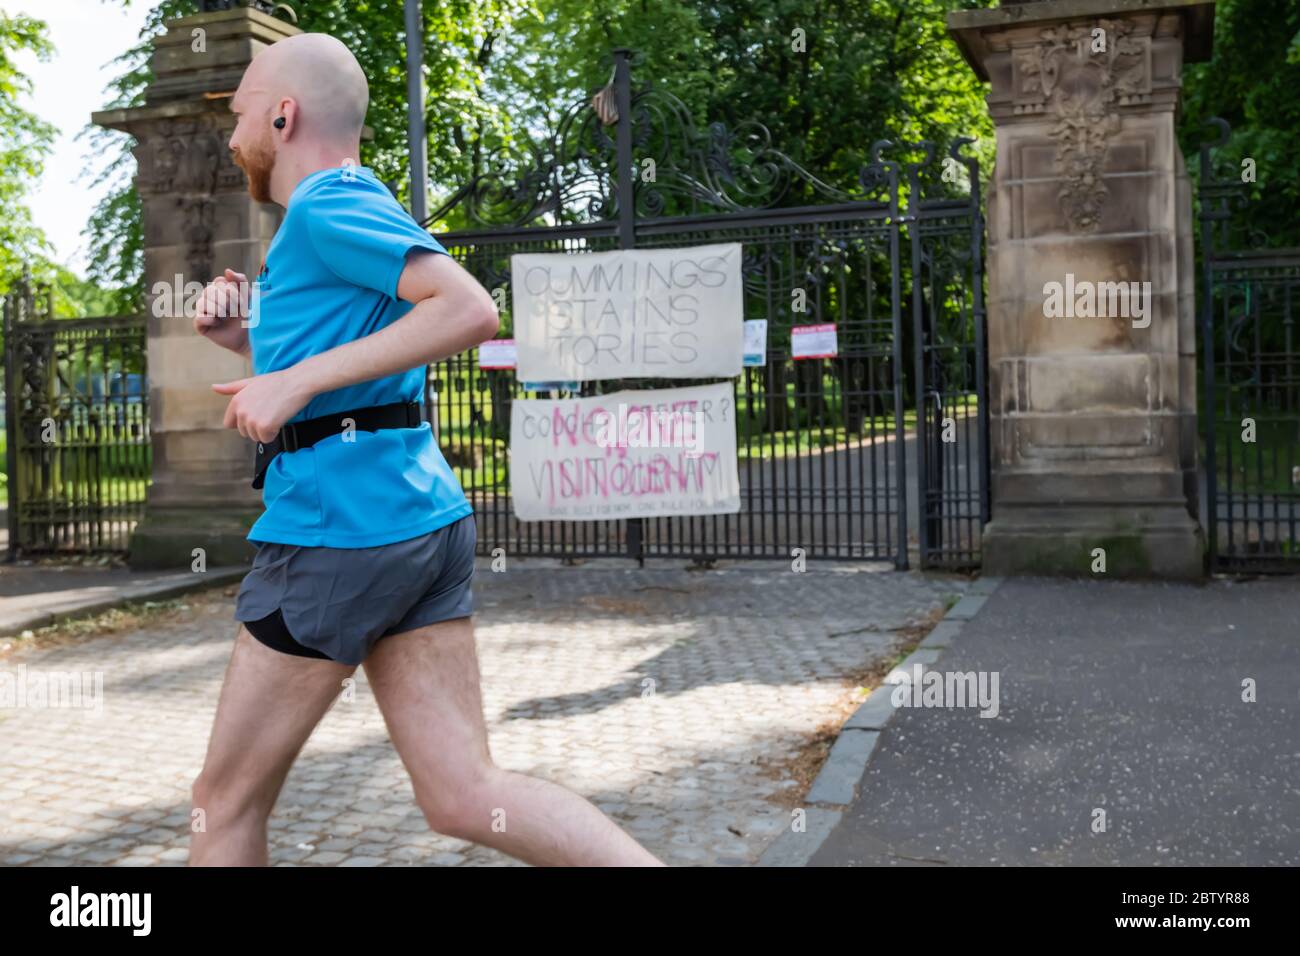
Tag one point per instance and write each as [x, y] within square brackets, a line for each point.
[257, 162]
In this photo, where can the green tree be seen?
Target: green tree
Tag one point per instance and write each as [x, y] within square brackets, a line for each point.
[25, 141]
[500, 73]
[1251, 81]
[458, 52]
[826, 78]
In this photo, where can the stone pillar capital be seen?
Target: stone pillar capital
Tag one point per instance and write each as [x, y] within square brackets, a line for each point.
[985, 34]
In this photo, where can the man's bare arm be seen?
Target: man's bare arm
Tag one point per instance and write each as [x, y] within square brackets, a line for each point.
[452, 313]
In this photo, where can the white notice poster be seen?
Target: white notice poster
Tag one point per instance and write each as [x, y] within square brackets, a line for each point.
[813, 341]
[497, 353]
[634, 313]
[755, 342]
[632, 454]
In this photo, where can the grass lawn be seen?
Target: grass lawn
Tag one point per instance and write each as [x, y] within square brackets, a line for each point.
[110, 475]
[1264, 466]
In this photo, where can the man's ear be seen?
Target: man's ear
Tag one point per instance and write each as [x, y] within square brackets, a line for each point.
[288, 108]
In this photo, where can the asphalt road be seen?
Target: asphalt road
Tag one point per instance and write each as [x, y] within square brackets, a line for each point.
[1124, 697]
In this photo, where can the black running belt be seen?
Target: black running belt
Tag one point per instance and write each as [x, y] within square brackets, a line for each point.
[307, 433]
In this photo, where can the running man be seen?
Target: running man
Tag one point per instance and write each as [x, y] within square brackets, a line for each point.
[365, 552]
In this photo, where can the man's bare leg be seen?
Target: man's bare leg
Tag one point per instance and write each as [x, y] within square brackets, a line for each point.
[426, 682]
[269, 705]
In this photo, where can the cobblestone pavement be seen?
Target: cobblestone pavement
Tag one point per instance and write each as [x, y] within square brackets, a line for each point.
[675, 700]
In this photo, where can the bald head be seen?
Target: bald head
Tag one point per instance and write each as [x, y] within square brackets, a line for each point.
[301, 106]
[321, 76]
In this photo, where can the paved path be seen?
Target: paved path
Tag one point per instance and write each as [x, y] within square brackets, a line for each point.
[1124, 697]
[745, 664]
[35, 595]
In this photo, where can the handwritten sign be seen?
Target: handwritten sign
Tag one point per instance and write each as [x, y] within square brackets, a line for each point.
[813, 341]
[497, 353]
[634, 313]
[630, 454]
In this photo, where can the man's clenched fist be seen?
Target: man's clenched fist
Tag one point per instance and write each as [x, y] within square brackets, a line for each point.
[261, 404]
[222, 309]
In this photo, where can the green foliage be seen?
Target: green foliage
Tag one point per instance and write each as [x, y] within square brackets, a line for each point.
[115, 237]
[459, 38]
[500, 73]
[862, 70]
[1251, 82]
[458, 52]
[25, 141]
[77, 298]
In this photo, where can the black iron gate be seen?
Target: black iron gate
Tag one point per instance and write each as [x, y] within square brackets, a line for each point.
[76, 428]
[1250, 349]
[825, 446]
[952, 426]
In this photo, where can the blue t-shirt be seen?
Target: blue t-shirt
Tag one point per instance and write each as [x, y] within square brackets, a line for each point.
[330, 278]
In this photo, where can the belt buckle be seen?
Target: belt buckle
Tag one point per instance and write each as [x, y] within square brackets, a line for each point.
[289, 438]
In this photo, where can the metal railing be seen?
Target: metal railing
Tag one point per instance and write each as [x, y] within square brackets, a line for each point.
[1250, 350]
[76, 427]
[823, 444]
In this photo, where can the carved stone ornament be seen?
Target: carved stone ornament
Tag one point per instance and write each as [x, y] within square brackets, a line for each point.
[185, 156]
[1081, 83]
[198, 216]
[187, 162]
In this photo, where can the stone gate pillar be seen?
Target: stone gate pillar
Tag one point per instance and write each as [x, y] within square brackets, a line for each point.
[1092, 383]
[198, 219]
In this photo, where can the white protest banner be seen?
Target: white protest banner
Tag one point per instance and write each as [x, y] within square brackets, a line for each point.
[632, 313]
[630, 454]
[497, 353]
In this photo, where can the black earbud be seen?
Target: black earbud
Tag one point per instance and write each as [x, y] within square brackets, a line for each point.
[279, 122]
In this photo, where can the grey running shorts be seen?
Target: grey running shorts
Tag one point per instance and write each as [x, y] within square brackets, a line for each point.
[336, 603]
